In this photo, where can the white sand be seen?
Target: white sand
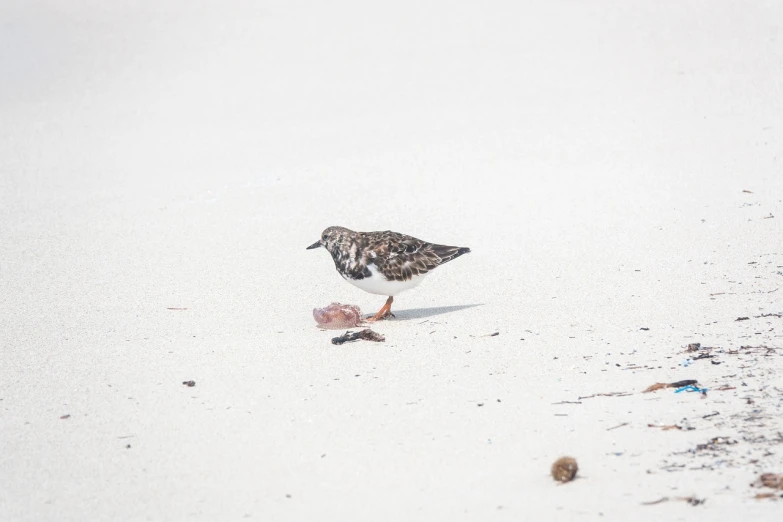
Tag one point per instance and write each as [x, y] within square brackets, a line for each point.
[592, 154]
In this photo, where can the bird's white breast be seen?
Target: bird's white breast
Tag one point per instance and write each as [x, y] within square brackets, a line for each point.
[378, 284]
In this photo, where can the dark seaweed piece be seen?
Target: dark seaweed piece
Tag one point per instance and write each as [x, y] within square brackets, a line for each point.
[366, 334]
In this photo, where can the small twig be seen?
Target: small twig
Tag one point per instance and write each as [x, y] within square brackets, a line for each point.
[693, 501]
[666, 427]
[612, 394]
[618, 426]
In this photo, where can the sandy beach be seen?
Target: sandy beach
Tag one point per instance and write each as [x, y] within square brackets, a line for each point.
[614, 166]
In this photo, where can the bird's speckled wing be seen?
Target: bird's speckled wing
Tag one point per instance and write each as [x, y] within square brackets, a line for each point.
[400, 257]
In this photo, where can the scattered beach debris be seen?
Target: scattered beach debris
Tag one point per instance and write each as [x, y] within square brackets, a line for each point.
[711, 352]
[697, 347]
[564, 469]
[703, 353]
[755, 350]
[715, 444]
[189, 384]
[618, 426]
[750, 429]
[366, 334]
[175, 308]
[337, 316]
[66, 416]
[679, 384]
[693, 501]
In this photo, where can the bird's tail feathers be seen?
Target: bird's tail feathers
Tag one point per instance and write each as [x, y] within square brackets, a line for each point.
[447, 253]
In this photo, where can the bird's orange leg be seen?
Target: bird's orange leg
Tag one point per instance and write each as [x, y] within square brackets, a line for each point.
[384, 312]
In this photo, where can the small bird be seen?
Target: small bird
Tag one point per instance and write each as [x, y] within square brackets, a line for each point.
[383, 263]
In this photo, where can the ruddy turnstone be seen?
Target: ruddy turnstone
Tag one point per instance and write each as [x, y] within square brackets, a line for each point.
[383, 263]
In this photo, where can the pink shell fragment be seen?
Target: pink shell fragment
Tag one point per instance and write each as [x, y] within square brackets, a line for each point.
[337, 316]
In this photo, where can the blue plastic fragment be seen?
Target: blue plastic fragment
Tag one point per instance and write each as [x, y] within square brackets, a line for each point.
[691, 387]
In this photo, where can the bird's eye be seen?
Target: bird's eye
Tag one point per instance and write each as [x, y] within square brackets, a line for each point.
[323, 237]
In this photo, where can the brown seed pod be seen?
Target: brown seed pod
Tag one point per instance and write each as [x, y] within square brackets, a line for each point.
[771, 480]
[564, 469]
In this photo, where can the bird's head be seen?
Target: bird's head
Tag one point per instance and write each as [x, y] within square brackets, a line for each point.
[331, 237]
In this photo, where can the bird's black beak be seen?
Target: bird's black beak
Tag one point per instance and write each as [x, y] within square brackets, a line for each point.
[314, 245]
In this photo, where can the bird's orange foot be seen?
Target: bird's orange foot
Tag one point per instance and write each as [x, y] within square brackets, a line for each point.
[380, 316]
[383, 313]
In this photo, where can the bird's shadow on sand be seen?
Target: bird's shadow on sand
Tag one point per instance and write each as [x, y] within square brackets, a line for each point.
[422, 313]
